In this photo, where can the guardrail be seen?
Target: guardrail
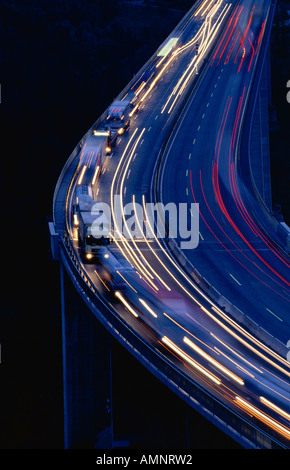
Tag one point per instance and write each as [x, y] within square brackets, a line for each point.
[249, 434]
[280, 229]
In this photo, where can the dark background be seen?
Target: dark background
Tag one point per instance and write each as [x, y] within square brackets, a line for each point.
[62, 63]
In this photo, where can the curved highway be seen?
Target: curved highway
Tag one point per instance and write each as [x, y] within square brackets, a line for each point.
[183, 146]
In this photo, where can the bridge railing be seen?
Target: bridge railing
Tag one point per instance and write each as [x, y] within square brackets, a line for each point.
[280, 230]
[250, 434]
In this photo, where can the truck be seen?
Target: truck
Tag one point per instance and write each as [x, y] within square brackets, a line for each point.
[88, 220]
[118, 119]
[117, 273]
[93, 154]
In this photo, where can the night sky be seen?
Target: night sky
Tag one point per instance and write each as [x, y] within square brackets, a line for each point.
[62, 63]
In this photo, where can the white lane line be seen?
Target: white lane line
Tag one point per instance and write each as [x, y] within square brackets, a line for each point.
[270, 311]
[235, 279]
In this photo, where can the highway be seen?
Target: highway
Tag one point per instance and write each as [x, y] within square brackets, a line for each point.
[192, 98]
[234, 254]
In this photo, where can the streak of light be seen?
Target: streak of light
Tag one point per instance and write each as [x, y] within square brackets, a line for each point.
[99, 277]
[144, 270]
[234, 362]
[263, 417]
[95, 175]
[140, 88]
[130, 250]
[148, 308]
[203, 47]
[237, 354]
[188, 332]
[213, 361]
[125, 242]
[124, 279]
[253, 53]
[147, 242]
[220, 202]
[218, 311]
[76, 220]
[258, 353]
[209, 5]
[276, 376]
[127, 305]
[178, 324]
[82, 174]
[134, 110]
[246, 216]
[201, 7]
[149, 285]
[275, 408]
[230, 35]
[191, 361]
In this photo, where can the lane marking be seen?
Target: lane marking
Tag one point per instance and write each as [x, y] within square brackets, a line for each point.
[235, 279]
[270, 311]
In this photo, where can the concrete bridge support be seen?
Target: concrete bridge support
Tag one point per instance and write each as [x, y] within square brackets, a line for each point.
[86, 370]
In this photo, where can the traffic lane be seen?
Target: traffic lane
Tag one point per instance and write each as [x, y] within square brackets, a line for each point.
[147, 118]
[181, 60]
[134, 303]
[182, 292]
[217, 236]
[256, 385]
[207, 138]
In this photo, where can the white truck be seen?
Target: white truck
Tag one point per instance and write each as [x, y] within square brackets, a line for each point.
[118, 119]
[89, 221]
[116, 273]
